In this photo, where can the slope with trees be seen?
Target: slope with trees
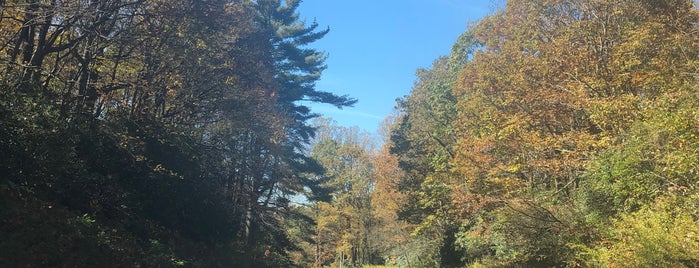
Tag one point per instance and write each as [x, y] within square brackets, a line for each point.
[557, 133]
[154, 133]
[570, 141]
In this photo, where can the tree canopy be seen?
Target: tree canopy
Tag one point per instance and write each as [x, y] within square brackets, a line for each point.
[153, 133]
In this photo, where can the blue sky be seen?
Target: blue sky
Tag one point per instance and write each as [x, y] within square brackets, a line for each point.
[375, 47]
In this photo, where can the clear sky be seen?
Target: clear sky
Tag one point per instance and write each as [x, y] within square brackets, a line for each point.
[375, 47]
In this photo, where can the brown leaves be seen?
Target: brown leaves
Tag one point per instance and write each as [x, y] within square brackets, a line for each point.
[554, 79]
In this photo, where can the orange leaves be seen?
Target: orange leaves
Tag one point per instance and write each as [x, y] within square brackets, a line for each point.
[553, 90]
[385, 198]
[558, 82]
[523, 122]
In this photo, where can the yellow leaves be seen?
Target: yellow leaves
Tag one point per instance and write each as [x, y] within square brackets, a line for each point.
[514, 168]
[663, 235]
[424, 225]
[615, 114]
[504, 186]
[158, 168]
[533, 114]
[512, 127]
[162, 170]
[200, 43]
[329, 215]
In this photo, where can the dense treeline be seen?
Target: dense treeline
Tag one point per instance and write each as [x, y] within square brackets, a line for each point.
[154, 133]
[557, 133]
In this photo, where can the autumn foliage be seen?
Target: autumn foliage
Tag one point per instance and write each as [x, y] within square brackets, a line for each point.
[557, 133]
[571, 118]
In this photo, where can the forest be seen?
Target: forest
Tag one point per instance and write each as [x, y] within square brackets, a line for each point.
[178, 133]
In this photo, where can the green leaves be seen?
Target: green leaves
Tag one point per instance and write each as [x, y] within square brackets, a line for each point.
[663, 234]
[345, 223]
[565, 116]
[176, 119]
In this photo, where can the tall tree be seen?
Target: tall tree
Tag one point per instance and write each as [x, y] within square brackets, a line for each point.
[556, 83]
[158, 119]
[423, 140]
